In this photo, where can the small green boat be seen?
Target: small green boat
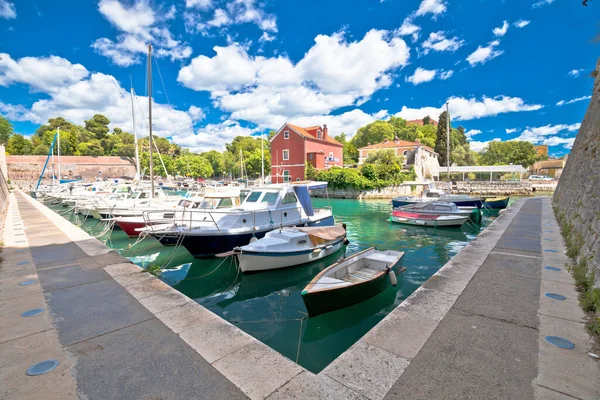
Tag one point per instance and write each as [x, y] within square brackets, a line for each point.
[496, 203]
[352, 280]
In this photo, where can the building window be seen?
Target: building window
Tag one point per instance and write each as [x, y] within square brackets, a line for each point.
[286, 134]
[286, 154]
[319, 134]
[310, 156]
[331, 156]
[405, 153]
[286, 175]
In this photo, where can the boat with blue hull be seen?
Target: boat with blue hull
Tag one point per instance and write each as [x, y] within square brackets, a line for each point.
[266, 208]
[431, 193]
[497, 203]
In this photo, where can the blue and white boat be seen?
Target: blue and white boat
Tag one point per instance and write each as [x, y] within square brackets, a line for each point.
[431, 193]
[266, 208]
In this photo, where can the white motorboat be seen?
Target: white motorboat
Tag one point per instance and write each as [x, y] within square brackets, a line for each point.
[290, 246]
[435, 220]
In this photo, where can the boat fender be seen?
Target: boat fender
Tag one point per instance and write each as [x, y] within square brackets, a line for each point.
[392, 275]
[346, 242]
[253, 239]
[344, 225]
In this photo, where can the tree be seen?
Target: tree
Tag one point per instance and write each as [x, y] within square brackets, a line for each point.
[92, 148]
[426, 120]
[375, 132]
[387, 157]
[6, 130]
[512, 152]
[350, 151]
[18, 145]
[440, 139]
[194, 165]
[98, 126]
[217, 162]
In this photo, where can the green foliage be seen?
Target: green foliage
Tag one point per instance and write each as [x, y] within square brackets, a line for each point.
[91, 148]
[6, 130]
[217, 162]
[350, 151]
[310, 172]
[250, 148]
[98, 126]
[375, 132]
[441, 140]
[387, 157]
[371, 176]
[514, 151]
[18, 145]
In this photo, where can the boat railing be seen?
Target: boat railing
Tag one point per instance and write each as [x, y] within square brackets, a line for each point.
[195, 218]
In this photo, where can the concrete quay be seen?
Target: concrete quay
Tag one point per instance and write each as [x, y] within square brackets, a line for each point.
[476, 329]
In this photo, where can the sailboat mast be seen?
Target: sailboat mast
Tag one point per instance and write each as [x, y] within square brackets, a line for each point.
[58, 152]
[262, 159]
[135, 138]
[52, 162]
[151, 140]
[448, 143]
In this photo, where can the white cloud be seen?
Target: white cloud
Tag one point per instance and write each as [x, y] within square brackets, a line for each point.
[468, 109]
[196, 113]
[556, 140]
[501, 30]
[472, 132]
[422, 75]
[266, 37]
[139, 25]
[575, 72]
[478, 146]
[212, 136]
[437, 41]
[407, 28]
[538, 134]
[541, 3]
[7, 10]
[199, 4]
[511, 130]
[76, 95]
[435, 7]
[575, 100]
[446, 74]
[266, 91]
[45, 74]
[522, 23]
[229, 13]
[484, 54]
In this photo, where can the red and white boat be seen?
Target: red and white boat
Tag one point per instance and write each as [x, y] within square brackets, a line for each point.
[435, 220]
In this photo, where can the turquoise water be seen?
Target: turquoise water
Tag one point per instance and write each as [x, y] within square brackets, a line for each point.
[268, 305]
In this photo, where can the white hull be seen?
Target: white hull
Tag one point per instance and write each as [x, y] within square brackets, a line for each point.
[251, 262]
[428, 222]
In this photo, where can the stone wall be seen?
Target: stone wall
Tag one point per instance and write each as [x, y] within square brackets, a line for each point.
[26, 168]
[494, 188]
[577, 198]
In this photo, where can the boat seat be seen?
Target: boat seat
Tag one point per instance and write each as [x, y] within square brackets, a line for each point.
[363, 274]
[378, 257]
[326, 281]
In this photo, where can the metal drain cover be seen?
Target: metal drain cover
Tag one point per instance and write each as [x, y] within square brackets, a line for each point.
[560, 342]
[555, 296]
[42, 367]
[23, 263]
[552, 268]
[31, 313]
[549, 251]
[27, 283]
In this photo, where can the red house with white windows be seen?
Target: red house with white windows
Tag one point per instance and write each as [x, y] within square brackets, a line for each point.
[293, 146]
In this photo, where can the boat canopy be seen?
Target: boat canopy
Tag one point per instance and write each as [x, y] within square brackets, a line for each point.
[320, 235]
[303, 195]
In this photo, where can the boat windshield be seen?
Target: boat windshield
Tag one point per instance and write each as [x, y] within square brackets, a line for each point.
[270, 198]
[253, 197]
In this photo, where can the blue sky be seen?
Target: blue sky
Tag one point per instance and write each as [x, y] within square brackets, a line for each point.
[510, 69]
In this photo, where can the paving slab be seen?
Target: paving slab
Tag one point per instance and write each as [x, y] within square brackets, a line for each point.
[14, 326]
[185, 316]
[257, 369]
[146, 361]
[85, 311]
[471, 356]
[20, 354]
[383, 367]
[10, 288]
[67, 276]
[309, 386]
[513, 264]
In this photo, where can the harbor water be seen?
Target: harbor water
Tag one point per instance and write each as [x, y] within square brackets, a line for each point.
[268, 305]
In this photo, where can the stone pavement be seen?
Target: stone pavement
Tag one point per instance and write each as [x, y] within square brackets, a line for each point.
[492, 342]
[109, 345]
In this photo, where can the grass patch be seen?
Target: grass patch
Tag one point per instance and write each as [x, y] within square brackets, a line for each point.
[589, 296]
[154, 270]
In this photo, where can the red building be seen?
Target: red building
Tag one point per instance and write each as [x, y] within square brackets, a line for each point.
[293, 146]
